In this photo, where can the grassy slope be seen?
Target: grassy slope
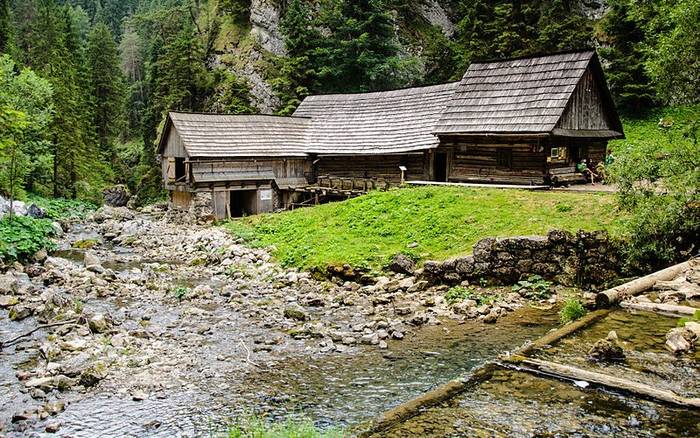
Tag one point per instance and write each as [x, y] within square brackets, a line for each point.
[367, 231]
[644, 128]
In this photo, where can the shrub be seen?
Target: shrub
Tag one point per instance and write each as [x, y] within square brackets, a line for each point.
[61, 208]
[534, 288]
[23, 236]
[572, 310]
[180, 292]
[457, 294]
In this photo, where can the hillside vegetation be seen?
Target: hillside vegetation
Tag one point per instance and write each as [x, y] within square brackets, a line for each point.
[424, 222]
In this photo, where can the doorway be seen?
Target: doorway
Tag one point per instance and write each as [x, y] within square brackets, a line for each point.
[243, 203]
[440, 167]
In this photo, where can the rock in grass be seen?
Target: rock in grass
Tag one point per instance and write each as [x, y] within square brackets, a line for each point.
[402, 264]
[607, 350]
[295, 312]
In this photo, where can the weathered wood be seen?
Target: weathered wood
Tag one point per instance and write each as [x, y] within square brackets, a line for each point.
[431, 398]
[541, 367]
[556, 335]
[615, 295]
[668, 309]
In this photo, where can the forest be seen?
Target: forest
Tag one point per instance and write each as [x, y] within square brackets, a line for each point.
[86, 83]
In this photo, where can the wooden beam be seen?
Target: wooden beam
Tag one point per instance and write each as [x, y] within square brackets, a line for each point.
[666, 309]
[617, 294]
[541, 367]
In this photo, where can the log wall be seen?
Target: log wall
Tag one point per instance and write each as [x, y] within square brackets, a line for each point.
[378, 166]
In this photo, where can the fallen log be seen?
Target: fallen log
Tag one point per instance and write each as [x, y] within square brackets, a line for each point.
[617, 294]
[555, 335]
[667, 309]
[566, 372]
[417, 405]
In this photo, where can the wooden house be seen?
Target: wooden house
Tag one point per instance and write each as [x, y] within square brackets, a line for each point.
[244, 163]
[518, 121]
[527, 121]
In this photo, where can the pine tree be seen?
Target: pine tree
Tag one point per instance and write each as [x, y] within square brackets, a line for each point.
[562, 26]
[629, 83]
[106, 87]
[5, 26]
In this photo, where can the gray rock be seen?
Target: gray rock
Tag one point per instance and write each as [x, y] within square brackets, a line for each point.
[8, 283]
[681, 340]
[36, 212]
[295, 312]
[91, 260]
[52, 427]
[99, 323]
[8, 301]
[116, 196]
[607, 350]
[402, 264]
[491, 317]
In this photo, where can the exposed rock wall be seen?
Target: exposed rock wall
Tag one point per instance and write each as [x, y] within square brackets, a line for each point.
[584, 258]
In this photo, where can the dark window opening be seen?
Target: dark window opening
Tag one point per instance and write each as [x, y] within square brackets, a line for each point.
[180, 169]
[504, 158]
[440, 167]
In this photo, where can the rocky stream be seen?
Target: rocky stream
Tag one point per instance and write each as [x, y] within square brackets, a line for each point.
[150, 325]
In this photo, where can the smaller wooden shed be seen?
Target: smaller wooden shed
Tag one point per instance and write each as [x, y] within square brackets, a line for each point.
[528, 120]
[244, 163]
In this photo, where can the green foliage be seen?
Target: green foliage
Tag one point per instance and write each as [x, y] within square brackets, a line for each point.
[22, 236]
[61, 208]
[534, 288]
[657, 172]
[694, 318]
[458, 294]
[369, 230]
[257, 427]
[572, 310]
[180, 292]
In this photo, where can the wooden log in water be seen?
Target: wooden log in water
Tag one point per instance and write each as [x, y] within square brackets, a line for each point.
[555, 335]
[617, 294]
[669, 309]
[566, 372]
[431, 398]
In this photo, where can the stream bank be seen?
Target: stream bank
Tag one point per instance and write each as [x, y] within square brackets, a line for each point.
[174, 328]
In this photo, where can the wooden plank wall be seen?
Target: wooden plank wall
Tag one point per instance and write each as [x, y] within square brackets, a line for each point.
[379, 166]
[469, 162]
[585, 109]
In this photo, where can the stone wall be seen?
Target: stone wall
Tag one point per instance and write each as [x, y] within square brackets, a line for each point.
[587, 259]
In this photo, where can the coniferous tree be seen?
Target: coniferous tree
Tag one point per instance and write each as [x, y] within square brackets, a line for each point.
[106, 87]
[629, 82]
[5, 26]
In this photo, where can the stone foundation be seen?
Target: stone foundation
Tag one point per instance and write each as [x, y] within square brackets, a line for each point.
[585, 259]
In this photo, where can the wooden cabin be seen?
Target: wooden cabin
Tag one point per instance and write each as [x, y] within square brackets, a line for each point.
[244, 163]
[518, 121]
[527, 121]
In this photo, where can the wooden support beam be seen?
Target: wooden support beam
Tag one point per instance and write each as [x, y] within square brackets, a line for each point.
[617, 294]
[666, 309]
[565, 372]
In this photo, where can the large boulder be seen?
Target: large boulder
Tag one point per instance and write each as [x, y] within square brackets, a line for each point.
[607, 350]
[402, 264]
[681, 339]
[117, 196]
[36, 212]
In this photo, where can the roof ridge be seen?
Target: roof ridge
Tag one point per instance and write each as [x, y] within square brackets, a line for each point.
[359, 93]
[535, 56]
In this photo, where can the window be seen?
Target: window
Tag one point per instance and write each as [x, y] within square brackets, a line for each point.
[504, 158]
[179, 169]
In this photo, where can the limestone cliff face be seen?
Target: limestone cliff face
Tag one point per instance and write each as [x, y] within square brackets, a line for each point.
[265, 16]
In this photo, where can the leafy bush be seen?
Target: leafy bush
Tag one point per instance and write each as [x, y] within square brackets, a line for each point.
[572, 310]
[180, 292]
[61, 208]
[457, 294]
[22, 237]
[257, 427]
[534, 288]
[657, 174]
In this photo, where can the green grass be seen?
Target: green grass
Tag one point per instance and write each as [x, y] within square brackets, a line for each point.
[444, 221]
[256, 427]
[644, 127]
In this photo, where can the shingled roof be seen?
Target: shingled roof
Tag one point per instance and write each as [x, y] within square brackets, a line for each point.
[526, 95]
[220, 135]
[384, 122]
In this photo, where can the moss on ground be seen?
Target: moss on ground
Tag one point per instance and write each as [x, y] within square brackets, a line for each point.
[424, 222]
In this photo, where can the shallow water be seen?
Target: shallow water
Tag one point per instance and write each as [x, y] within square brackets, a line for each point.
[516, 404]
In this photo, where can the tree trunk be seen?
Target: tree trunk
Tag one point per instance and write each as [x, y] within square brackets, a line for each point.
[672, 309]
[613, 296]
